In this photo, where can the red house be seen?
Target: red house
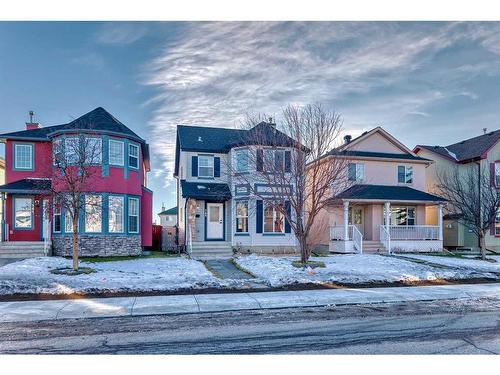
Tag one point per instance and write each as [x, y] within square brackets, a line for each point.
[122, 224]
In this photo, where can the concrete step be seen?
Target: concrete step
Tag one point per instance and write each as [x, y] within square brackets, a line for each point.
[23, 249]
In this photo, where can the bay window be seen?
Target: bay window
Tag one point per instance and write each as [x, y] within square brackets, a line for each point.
[242, 217]
[93, 150]
[241, 161]
[133, 215]
[116, 214]
[56, 217]
[93, 213]
[274, 220]
[116, 152]
[72, 150]
[133, 156]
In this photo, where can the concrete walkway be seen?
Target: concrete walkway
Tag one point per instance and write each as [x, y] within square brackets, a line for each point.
[196, 303]
[226, 269]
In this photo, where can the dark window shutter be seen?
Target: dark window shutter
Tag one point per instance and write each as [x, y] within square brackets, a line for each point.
[288, 161]
[259, 161]
[492, 175]
[194, 166]
[288, 209]
[216, 167]
[259, 214]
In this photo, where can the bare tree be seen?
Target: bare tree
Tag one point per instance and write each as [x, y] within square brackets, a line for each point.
[279, 154]
[472, 198]
[77, 159]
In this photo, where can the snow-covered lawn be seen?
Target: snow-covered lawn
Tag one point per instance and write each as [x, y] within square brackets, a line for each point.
[472, 264]
[354, 269]
[154, 274]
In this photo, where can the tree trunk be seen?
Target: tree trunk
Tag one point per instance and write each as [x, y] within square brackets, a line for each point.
[482, 244]
[75, 245]
[304, 253]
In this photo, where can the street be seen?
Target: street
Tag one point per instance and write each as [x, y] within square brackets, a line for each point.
[447, 327]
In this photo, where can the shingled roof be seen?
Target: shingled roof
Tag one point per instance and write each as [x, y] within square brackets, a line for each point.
[96, 120]
[387, 193]
[28, 185]
[469, 149]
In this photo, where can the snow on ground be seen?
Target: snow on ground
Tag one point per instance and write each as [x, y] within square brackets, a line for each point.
[354, 269]
[154, 274]
[472, 264]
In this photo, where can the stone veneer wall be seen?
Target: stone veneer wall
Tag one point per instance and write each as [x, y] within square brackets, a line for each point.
[98, 245]
[267, 250]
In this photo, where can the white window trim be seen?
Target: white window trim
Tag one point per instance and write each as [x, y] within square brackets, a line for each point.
[406, 167]
[99, 155]
[137, 215]
[130, 146]
[30, 146]
[32, 214]
[56, 212]
[86, 212]
[211, 165]
[275, 212]
[359, 172]
[121, 163]
[241, 217]
[244, 151]
[122, 198]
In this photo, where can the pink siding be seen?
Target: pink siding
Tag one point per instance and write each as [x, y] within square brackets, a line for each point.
[147, 217]
[42, 162]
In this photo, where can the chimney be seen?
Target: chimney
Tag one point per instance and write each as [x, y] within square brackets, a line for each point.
[31, 124]
[485, 130]
[347, 138]
[270, 122]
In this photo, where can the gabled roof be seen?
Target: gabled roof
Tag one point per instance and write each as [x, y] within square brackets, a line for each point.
[96, 120]
[383, 155]
[170, 211]
[28, 186]
[469, 149]
[387, 193]
[202, 190]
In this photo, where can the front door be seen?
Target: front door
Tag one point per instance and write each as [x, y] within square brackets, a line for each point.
[356, 218]
[215, 221]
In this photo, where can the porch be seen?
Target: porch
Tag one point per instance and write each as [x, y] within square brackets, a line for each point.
[409, 222]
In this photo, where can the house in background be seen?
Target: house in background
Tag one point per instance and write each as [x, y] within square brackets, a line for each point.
[218, 213]
[168, 218]
[384, 207]
[481, 152]
[122, 222]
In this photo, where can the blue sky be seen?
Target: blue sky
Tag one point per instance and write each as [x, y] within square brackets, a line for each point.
[424, 82]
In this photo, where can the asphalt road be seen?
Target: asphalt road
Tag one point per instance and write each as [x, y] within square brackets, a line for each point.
[451, 327]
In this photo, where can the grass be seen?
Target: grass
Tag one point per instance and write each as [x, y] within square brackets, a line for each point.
[310, 263]
[71, 272]
[154, 254]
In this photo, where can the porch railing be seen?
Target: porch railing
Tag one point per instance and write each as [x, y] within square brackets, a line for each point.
[337, 233]
[414, 232]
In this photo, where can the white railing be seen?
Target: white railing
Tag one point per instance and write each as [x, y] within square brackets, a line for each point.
[414, 232]
[357, 238]
[385, 238]
[46, 236]
[337, 233]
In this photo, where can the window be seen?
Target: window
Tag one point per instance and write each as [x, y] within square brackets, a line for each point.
[274, 220]
[56, 213]
[133, 215]
[23, 213]
[116, 214]
[133, 156]
[93, 213]
[405, 174]
[242, 217]
[93, 150]
[205, 166]
[68, 220]
[72, 150]
[497, 223]
[274, 160]
[241, 161]
[356, 172]
[497, 174]
[401, 216]
[116, 152]
[23, 156]
[57, 152]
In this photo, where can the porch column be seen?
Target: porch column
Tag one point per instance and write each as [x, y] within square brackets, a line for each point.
[346, 221]
[440, 221]
[387, 206]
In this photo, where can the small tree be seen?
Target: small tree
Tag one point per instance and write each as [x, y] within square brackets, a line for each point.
[472, 197]
[310, 131]
[77, 159]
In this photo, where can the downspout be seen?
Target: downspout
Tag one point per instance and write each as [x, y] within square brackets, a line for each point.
[3, 237]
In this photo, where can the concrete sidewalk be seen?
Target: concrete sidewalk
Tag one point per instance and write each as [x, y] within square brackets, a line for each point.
[196, 303]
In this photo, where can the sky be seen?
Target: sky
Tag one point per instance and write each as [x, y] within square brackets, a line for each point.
[424, 82]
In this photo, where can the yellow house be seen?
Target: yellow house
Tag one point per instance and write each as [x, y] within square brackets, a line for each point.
[481, 152]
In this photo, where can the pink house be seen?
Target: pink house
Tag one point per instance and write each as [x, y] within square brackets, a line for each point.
[32, 225]
[384, 206]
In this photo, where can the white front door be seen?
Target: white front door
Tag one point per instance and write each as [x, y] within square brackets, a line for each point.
[215, 221]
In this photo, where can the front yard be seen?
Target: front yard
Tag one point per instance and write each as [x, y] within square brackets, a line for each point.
[170, 274]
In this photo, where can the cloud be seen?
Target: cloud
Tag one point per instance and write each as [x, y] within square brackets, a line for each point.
[373, 73]
[121, 32]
